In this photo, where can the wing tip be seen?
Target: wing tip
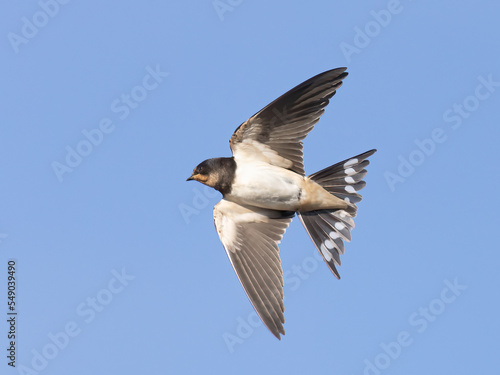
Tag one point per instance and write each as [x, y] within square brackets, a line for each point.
[278, 334]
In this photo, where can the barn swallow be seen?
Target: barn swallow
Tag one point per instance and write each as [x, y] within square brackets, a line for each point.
[263, 186]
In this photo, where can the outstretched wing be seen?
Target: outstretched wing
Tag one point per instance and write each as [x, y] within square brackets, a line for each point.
[251, 236]
[275, 133]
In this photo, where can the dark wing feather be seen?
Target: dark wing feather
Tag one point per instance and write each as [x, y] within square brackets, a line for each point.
[281, 126]
[250, 236]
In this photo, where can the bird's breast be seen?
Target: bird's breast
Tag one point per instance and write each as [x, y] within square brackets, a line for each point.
[266, 186]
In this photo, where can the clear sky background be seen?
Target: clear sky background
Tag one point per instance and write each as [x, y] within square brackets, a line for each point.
[107, 108]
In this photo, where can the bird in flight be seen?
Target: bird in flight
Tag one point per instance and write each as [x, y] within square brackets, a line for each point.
[263, 186]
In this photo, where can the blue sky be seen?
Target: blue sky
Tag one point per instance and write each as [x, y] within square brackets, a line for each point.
[106, 109]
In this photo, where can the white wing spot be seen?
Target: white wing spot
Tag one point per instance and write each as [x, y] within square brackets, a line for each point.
[350, 162]
[347, 200]
[333, 235]
[325, 253]
[350, 171]
[350, 189]
[349, 180]
[339, 226]
[328, 244]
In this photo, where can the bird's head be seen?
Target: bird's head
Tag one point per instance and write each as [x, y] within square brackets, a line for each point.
[206, 173]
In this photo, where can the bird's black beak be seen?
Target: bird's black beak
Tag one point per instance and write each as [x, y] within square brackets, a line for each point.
[190, 178]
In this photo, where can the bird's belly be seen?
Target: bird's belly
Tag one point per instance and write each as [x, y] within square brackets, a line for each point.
[267, 186]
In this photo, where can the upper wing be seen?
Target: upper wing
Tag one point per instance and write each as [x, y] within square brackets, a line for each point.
[251, 236]
[275, 133]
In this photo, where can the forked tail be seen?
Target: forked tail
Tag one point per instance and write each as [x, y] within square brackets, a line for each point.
[329, 228]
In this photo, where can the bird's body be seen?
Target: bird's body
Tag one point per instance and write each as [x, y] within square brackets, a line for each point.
[264, 186]
[267, 186]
